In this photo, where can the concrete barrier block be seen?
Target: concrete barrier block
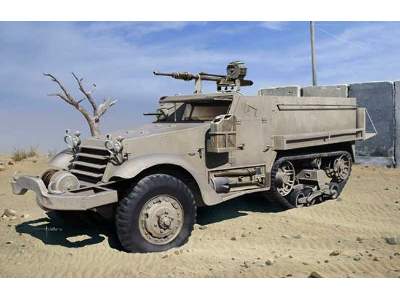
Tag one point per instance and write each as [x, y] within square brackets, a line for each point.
[325, 91]
[374, 161]
[397, 123]
[281, 91]
[378, 98]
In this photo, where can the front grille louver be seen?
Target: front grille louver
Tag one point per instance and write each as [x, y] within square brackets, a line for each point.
[90, 164]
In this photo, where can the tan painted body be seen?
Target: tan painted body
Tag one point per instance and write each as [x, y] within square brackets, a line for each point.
[264, 126]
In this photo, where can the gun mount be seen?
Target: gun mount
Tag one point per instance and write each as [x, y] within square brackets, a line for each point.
[232, 81]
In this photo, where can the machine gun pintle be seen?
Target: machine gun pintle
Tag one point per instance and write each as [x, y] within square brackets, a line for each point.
[232, 81]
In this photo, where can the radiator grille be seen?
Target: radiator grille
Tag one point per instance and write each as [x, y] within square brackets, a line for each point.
[90, 164]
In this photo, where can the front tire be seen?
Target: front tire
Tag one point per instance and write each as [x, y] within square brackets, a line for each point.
[157, 214]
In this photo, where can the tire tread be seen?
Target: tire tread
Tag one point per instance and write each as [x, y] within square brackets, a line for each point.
[127, 205]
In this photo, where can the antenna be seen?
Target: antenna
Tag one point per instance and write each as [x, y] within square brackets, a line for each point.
[313, 58]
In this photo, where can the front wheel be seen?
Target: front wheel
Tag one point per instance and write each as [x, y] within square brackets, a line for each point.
[157, 214]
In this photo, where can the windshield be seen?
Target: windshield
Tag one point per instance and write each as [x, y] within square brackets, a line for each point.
[191, 112]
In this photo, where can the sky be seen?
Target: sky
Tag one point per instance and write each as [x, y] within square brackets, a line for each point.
[119, 57]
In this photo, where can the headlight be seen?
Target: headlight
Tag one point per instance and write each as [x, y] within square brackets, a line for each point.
[117, 146]
[114, 146]
[72, 140]
[109, 145]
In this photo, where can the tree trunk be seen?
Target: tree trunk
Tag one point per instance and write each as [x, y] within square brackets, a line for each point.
[94, 128]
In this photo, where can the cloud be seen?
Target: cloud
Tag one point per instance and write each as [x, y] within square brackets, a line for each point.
[362, 52]
[120, 57]
[121, 67]
[275, 26]
[133, 29]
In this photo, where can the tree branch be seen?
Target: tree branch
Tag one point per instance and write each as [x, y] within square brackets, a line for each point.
[103, 107]
[87, 94]
[62, 96]
[71, 100]
[98, 110]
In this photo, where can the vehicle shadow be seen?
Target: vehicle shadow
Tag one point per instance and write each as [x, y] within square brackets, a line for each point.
[85, 229]
[74, 231]
[235, 208]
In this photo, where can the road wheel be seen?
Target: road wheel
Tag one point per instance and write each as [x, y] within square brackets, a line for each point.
[342, 166]
[298, 197]
[336, 189]
[157, 214]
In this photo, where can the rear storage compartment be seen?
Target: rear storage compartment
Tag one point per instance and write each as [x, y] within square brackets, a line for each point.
[305, 122]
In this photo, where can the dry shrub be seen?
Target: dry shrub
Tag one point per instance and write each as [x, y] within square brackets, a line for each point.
[21, 154]
[32, 152]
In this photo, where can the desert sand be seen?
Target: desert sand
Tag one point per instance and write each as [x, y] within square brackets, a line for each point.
[355, 236]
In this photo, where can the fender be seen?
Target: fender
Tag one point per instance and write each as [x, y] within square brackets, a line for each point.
[135, 166]
[61, 160]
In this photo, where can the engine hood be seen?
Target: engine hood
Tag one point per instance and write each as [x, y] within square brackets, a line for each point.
[156, 132]
[154, 129]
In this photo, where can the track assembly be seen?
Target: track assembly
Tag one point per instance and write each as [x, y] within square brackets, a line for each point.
[291, 188]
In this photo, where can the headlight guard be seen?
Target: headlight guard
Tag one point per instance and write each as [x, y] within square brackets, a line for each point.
[73, 140]
[115, 147]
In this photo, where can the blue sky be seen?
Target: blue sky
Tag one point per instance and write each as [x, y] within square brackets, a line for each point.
[120, 57]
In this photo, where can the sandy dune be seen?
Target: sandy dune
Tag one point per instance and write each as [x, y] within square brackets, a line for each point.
[247, 237]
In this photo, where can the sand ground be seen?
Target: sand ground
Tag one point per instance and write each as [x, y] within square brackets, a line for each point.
[246, 237]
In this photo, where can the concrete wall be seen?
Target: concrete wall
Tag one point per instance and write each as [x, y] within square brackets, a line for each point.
[281, 91]
[378, 98]
[382, 99]
[325, 91]
[397, 123]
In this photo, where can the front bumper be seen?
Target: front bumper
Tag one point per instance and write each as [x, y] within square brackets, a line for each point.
[82, 199]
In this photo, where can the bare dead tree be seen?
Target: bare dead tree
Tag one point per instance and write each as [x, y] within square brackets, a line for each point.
[93, 119]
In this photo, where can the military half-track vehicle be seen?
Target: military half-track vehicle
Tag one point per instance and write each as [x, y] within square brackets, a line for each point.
[203, 149]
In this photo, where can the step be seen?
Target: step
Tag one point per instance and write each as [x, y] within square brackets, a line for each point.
[89, 165]
[93, 148]
[94, 156]
[85, 173]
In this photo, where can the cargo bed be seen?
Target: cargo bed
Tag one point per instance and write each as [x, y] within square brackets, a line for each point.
[306, 122]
